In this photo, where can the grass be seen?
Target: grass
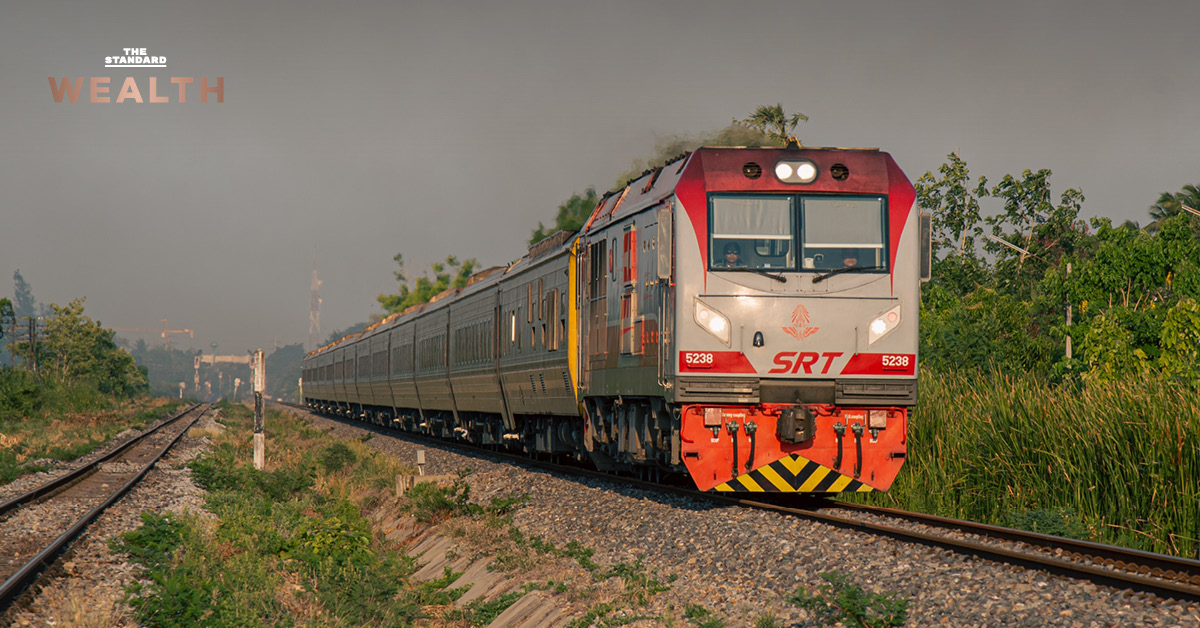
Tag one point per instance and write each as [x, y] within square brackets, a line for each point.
[1115, 463]
[289, 545]
[65, 424]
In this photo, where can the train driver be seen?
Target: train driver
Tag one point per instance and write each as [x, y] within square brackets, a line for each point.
[733, 256]
[849, 258]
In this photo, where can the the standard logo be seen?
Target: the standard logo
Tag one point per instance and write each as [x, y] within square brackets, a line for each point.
[99, 86]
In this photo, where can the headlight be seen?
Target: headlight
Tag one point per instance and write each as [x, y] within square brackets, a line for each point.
[883, 324]
[712, 321]
[796, 171]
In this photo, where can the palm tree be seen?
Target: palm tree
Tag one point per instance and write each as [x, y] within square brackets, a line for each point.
[1169, 204]
[774, 122]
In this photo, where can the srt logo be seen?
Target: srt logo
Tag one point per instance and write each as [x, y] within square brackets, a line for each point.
[800, 328]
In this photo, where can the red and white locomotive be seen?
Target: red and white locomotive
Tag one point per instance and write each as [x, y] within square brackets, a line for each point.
[747, 316]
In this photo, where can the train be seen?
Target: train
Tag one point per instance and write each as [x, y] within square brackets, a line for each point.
[743, 317]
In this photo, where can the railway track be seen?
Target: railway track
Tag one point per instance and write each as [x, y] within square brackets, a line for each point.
[38, 525]
[1112, 566]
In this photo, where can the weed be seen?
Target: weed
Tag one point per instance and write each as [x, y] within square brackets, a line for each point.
[483, 612]
[639, 585]
[767, 620]
[592, 614]
[839, 600]
[154, 543]
[1048, 521]
[429, 502]
[319, 539]
[703, 617]
[581, 554]
[337, 456]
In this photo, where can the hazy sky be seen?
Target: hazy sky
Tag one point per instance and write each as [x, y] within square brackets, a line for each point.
[367, 129]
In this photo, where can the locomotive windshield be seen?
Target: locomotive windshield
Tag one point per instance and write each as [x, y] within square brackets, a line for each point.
[756, 232]
[842, 233]
[753, 232]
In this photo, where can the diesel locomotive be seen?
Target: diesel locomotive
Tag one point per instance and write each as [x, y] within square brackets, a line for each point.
[745, 316]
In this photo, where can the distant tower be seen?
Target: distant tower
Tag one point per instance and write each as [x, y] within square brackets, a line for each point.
[314, 308]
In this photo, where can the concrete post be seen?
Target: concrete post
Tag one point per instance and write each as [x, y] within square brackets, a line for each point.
[259, 368]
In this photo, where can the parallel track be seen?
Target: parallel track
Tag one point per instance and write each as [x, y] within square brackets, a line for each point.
[89, 484]
[1107, 565]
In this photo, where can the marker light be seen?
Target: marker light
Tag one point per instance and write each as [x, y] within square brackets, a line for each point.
[796, 171]
[712, 321]
[883, 324]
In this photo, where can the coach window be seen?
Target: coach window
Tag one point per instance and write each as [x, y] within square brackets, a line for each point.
[752, 232]
[844, 232]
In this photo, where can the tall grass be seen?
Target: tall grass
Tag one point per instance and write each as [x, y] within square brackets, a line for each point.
[1114, 463]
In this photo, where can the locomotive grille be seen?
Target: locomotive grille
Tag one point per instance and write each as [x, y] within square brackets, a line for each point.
[877, 392]
[718, 390]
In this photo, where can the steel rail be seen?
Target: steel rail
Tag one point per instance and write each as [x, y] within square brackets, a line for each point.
[27, 574]
[1155, 564]
[1120, 576]
[82, 470]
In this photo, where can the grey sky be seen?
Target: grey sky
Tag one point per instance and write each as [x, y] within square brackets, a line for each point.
[367, 129]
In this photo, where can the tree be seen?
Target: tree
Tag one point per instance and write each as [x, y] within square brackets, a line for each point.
[283, 371]
[954, 204]
[353, 329]
[1169, 205]
[6, 316]
[24, 306]
[1033, 222]
[447, 274]
[572, 215]
[776, 124]
[78, 349]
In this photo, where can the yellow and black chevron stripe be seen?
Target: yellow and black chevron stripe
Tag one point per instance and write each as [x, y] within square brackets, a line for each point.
[793, 474]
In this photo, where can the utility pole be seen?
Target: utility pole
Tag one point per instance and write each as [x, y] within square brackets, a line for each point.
[259, 369]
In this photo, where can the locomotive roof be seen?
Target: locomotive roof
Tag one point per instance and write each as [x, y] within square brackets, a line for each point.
[656, 184]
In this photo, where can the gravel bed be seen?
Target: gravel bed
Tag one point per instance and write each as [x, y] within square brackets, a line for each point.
[742, 563]
[87, 583]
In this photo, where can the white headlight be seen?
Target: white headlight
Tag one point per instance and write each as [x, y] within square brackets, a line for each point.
[712, 321]
[883, 324]
[796, 171]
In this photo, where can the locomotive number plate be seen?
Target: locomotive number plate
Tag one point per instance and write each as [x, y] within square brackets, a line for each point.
[698, 359]
[895, 362]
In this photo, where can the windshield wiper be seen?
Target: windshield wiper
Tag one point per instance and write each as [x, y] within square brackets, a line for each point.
[848, 269]
[779, 278]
